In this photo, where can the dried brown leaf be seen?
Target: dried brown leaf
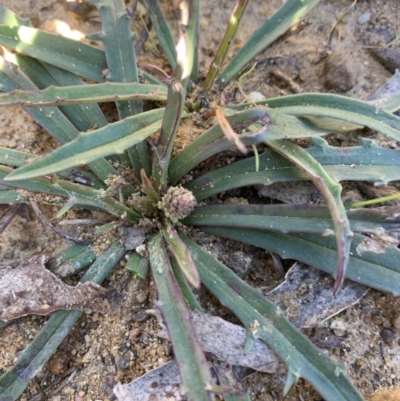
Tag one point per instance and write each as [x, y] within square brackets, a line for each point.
[228, 131]
[32, 289]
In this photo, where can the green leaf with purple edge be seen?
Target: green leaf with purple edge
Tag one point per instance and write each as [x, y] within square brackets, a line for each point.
[266, 321]
[331, 191]
[339, 107]
[374, 268]
[193, 367]
[89, 146]
[359, 163]
[290, 218]
[181, 254]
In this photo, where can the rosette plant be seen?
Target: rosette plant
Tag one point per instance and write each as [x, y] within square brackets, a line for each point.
[61, 82]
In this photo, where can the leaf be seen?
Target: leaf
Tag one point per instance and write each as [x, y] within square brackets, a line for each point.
[81, 59]
[181, 255]
[227, 41]
[114, 138]
[122, 67]
[306, 296]
[137, 265]
[156, 385]
[225, 340]
[82, 94]
[7, 17]
[291, 218]
[266, 321]
[359, 163]
[371, 268]
[34, 357]
[228, 131]
[51, 118]
[163, 30]
[331, 191]
[71, 260]
[194, 372]
[339, 107]
[31, 289]
[287, 16]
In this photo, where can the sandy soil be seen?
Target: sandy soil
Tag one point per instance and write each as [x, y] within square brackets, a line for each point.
[335, 49]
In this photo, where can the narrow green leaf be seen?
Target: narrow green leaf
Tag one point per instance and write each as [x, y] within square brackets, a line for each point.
[11, 157]
[7, 17]
[33, 358]
[374, 268]
[267, 322]
[193, 33]
[390, 103]
[359, 163]
[163, 30]
[227, 41]
[290, 381]
[187, 293]
[114, 138]
[82, 94]
[9, 197]
[193, 369]
[77, 57]
[331, 191]
[170, 124]
[15, 158]
[287, 16]
[44, 75]
[108, 227]
[339, 107]
[77, 194]
[117, 38]
[137, 265]
[51, 118]
[181, 254]
[71, 260]
[305, 218]
[234, 397]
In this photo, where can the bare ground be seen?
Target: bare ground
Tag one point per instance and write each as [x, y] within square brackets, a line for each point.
[332, 50]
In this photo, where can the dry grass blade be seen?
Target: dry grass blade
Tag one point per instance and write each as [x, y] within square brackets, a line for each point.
[228, 131]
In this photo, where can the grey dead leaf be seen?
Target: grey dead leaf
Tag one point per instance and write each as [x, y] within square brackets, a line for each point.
[306, 296]
[32, 289]
[159, 384]
[226, 341]
[162, 383]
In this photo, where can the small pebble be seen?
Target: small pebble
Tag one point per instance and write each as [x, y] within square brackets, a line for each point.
[387, 336]
[338, 327]
[396, 322]
[123, 362]
[141, 297]
[363, 18]
[340, 74]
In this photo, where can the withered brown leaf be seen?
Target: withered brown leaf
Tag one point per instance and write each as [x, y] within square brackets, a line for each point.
[32, 289]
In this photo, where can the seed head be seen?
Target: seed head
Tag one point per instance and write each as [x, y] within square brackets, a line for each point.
[177, 203]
